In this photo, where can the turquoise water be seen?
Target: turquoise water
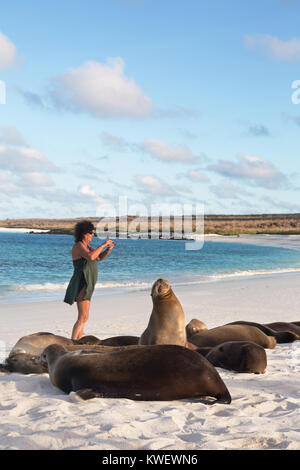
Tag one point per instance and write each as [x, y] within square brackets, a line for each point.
[38, 267]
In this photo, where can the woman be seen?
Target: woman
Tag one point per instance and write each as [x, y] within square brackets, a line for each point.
[85, 261]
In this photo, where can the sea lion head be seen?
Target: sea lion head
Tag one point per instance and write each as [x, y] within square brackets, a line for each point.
[194, 326]
[160, 288]
[51, 353]
[24, 363]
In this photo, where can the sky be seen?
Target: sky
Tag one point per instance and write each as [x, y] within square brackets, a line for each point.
[183, 104]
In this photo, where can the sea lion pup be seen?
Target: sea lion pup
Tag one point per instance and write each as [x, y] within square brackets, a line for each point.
[222, 334]
[160, 372]
[240, 356]
[167, 320]
[37, 342]
[285, 326]
[282, 335]
[194, 326]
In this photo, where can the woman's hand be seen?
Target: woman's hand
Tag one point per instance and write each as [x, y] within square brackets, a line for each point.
[109, 243]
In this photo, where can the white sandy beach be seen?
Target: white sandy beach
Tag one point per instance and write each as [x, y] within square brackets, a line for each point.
[264, 413]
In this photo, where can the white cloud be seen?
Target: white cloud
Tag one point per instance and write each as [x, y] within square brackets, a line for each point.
[11, 136]
[101, 90]
[226, 190]
[115, 142]
[154, 185]
[197, 176]
[23, 169]
[273, 47]
[252, 169]
[35, 178]
[163, 151]
[24, 159]
[8, 52]
[87, 191]
[8, 183]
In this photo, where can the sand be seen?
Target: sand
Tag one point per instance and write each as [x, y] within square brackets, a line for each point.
[264, 413]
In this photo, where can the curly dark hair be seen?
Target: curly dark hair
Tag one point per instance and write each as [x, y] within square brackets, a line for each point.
[81, 228]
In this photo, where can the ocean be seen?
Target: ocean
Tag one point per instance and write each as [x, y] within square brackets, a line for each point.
[38, 267]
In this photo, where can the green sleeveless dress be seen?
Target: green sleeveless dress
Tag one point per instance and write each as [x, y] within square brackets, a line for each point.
[85, 273]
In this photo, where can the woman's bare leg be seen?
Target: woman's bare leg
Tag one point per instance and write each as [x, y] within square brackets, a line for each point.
[83, 307]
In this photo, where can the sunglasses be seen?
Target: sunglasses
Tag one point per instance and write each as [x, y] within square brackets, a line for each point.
[92, 232]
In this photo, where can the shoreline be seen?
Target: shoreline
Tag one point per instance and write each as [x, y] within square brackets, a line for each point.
[48, 291]
[53, 295]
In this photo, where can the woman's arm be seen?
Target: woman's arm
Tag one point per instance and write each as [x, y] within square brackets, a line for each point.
[90, 253]
[104, 253]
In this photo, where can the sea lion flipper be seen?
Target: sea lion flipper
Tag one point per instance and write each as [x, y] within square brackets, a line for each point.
[84, 394]
[224, 398]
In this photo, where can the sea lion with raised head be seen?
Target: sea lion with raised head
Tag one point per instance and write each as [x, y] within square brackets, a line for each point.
[240, 356]
[160, 372]
[167, 320]
[221, 334]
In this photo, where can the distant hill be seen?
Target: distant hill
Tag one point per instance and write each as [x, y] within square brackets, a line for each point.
[220, 224]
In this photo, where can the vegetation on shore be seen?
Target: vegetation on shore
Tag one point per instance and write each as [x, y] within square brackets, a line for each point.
[283, 224]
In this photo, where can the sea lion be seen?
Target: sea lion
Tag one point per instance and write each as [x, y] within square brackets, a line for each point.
[160, 372]
[240, 356]
[194, 326]
[37, 342]
[222, 334]
[282, 335]
[120, 341]
[90, 339]
[285, 326]
[113, 341]
[167, 320]
[24, 363]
